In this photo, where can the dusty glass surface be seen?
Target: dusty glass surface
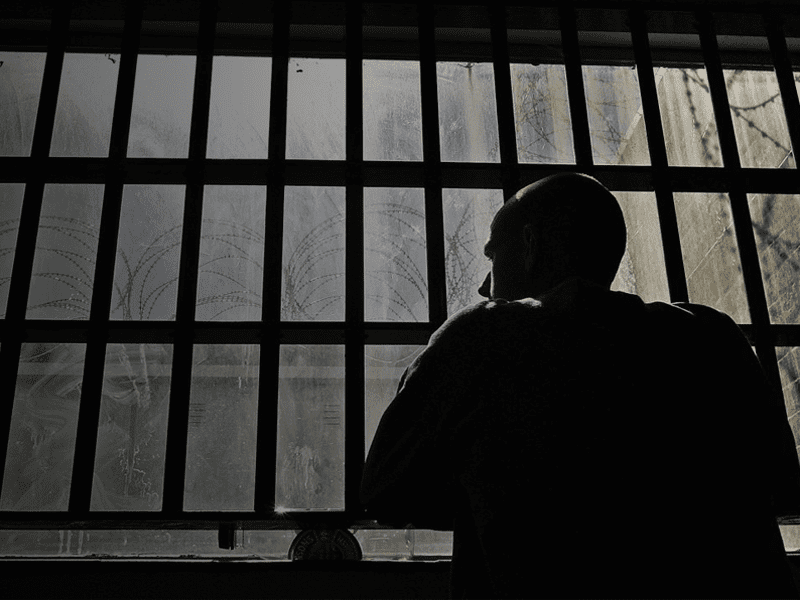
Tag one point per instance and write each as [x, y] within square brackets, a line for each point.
[66, 252]
[313, 254]
[310, 453]
[44, 422]
[405, 544]
[392, 110]
[238, 119]
[467, 112]
[221, 444]
[789, 366]
[11, 195]
[148, 253]
[231, 253]
[711, 254]
[541, 114]
[20, 85]
[162, 106]
[776, 224]
[395, 261]
[132, 429]
[85, 105]
[468, 215]
[315, 121]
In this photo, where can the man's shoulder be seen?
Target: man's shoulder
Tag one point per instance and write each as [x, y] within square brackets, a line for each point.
[478, 319]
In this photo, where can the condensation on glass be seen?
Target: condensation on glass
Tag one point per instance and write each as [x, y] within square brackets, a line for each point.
[148, 253]
[315, 120]
[392, 110]
[467, 112]
[789, 367]
[711, 253]
[231, 266]
[162, 106]
[44, 422]
[313, 254]
[395, 260]
[66, 252]
[11, 195]
[310, 453]
[85, 105]
[132, 429]
[238, 119]
[223, 414]
[468, 215]
[20, 86]
[776, 224]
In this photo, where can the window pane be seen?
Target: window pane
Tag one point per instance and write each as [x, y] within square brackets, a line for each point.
[221, 445]
[789, 366]
[616, 124]
[231, 253]
[313, 254]
[44, 422]
[11, 195]
[711, 254]
[468, 216]
[132, 432]
[541, 114]
[405, 544]
[467, 112]
[310, 454]
[148, 253]
[238, 120]
[162, 107]
[392, 110]
[66, 249]
[396, 268]
[20, 85]
[85, 105]
[776, 223]
[315, 109]
[642, 271]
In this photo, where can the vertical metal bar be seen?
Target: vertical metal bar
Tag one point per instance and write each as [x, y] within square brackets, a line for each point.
[575, 91]
[783, 70]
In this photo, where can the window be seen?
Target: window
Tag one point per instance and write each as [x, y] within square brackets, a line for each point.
[225, 234]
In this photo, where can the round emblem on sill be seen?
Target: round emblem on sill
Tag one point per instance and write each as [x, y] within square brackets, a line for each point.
[325, 544]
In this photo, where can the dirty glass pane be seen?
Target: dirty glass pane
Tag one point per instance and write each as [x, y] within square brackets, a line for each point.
[238, 120]
[11, 195]
[467, 112]
[20, 86]
[231, 253]
[315, 109]
[711, 254]
[541, 114]
[148, 253]
[758, 118]
[132, 431]
[396, 268]
[310, 453]
[313, 254]
[687, 115]
[468, 216]
[383, 368]
[642, 270]
[776, 224]
[221, 445]
[85, 105]
[405, 544]
[66, 252]
[789, 366]
[616, 123]
[44, 421]
[392, 110]
[162, 107]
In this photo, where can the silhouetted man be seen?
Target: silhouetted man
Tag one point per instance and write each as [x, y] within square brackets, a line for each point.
[580, 442]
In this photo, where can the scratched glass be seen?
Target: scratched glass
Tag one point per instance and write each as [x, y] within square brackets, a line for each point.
[132, 430]
[405, 544]
[231, 253]
[789, 366]
[395, 260]
[20, 85]
[66, 252]
[148, 253]
[44, 422]
[11, 195]
[223, 414]
[310, 453]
